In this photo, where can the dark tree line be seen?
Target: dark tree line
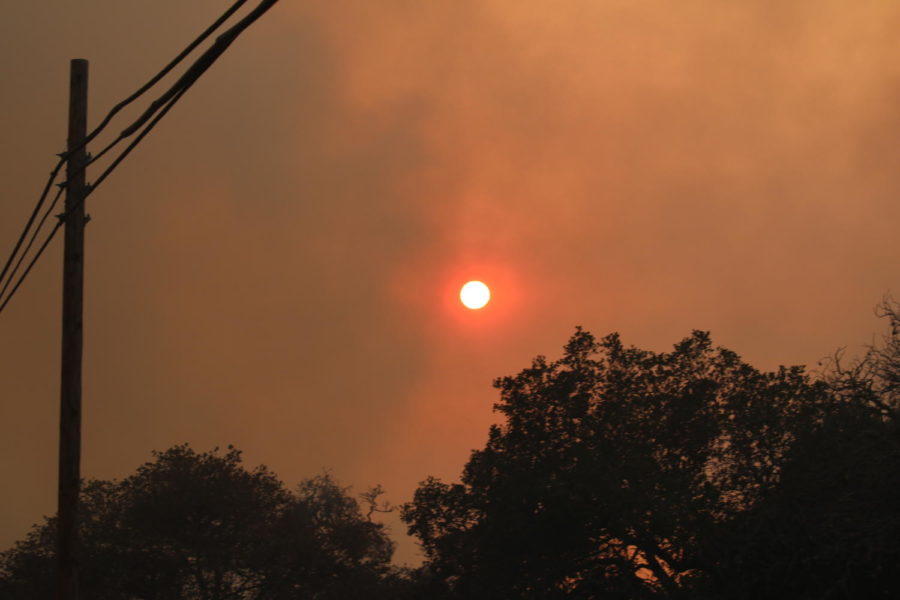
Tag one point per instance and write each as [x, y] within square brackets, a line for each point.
[624, 473]
[616, 473]
[201, 526]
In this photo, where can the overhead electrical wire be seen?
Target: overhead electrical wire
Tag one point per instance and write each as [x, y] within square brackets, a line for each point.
[34, 213]
[31, 264]
[167, 100]
[156, 78]
[37, 230]
[88, 191]
[106, 120]
[145, 123]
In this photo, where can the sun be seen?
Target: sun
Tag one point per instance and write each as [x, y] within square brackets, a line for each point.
[474, 295]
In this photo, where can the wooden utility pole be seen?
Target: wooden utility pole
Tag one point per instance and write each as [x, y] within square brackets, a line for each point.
[72, 330]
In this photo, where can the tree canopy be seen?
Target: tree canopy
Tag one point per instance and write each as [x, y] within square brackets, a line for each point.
[615, 472]
[624, 473]
[191, 525]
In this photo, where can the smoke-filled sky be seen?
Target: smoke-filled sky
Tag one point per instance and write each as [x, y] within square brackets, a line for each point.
[275, 267]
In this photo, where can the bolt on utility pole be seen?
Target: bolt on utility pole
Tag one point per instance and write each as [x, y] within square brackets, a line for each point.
[72, 330]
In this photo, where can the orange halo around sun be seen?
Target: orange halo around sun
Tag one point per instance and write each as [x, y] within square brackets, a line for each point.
[474, 295]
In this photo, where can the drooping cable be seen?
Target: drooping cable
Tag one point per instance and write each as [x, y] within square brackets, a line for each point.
[34, 213]
[31, 264]
[88, 191]
[150, 118]
[37, 230]
[106, 120]
[97, 130]
[201, 65]
[165, 71]
[167, 100]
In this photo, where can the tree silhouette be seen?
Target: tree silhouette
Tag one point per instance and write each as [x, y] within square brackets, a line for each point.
[831, 528]
[190, 525]
[617, 473]
[625, 473]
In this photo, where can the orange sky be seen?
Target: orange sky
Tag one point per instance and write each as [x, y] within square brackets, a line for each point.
[276, 267]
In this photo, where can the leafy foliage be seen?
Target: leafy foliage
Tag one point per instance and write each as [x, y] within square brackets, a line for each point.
[617, 473]
[190, 525]
[831, 528]
[625, 473]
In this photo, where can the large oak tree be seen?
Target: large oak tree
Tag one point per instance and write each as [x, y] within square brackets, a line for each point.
[624, 473]
[200, 526]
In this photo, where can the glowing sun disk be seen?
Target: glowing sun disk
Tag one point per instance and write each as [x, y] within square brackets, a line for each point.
[474, 295]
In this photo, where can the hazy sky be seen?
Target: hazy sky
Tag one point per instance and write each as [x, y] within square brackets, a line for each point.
[276, 266]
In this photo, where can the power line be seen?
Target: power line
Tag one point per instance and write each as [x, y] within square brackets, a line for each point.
[31, 264]
[97, 130]
[34, 213]
[154, 113]
[167, 100]
[88, 192]
[156, 78]
[37, 230]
